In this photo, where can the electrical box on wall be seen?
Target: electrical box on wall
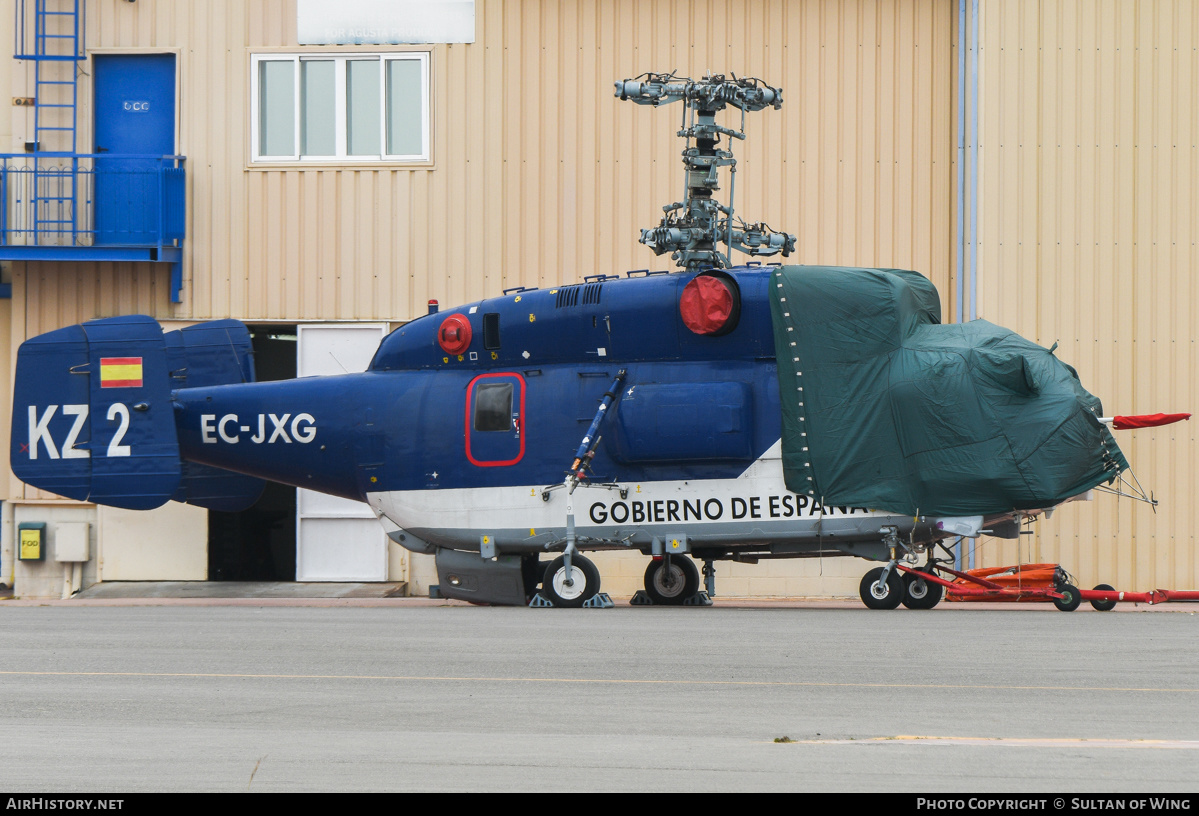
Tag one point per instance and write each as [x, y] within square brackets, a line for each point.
[31, 539]
[71, 541]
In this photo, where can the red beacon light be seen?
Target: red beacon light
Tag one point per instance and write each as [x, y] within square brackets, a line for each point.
[454, 334]
[710, 304]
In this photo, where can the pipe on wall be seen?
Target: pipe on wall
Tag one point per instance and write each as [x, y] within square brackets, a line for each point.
[966, 267]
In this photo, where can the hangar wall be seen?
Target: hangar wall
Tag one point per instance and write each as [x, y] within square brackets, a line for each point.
[1088, 222]
[539, 176]
[6, 356]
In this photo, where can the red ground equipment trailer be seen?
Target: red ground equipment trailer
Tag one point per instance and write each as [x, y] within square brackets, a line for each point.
[1036, 583]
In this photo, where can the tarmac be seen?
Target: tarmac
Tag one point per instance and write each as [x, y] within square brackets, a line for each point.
[294, 593]
[283, 692]
[243, 590]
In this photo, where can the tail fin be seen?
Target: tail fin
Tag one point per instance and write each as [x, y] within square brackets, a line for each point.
[218, 352]
[93, 419]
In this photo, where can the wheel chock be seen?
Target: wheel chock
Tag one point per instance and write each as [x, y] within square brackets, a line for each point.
[599, 600]
[640, 598]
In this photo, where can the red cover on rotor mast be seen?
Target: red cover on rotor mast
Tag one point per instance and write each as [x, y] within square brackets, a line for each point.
[706, 305]
[1124, 423]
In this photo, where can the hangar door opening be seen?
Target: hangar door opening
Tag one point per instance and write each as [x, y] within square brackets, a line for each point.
[259, 544]
[337, 539]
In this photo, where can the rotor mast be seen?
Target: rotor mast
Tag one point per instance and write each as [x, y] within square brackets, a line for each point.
[693, 229]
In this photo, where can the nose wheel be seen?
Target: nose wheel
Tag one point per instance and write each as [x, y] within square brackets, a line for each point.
[671, 580]
[573, 587]
[881, 594]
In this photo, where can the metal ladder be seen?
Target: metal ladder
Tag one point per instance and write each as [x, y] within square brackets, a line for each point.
[57, 40]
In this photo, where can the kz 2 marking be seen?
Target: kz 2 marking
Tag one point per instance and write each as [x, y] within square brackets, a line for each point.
[39, 431]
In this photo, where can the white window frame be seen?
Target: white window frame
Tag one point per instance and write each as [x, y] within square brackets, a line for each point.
[340, 61]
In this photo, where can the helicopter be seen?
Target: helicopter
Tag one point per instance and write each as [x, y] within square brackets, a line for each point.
[720, 412]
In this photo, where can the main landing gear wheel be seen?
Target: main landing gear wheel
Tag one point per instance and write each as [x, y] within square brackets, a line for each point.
[919, 593]
[1104, 606]
[671, 579]
[1070, 598]
[584, 582]
[881, 596]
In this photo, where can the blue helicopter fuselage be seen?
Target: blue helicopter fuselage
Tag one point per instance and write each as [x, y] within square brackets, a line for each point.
[405, 419]
[452, 446]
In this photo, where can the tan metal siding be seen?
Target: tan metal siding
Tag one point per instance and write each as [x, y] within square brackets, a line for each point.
[8, 71]
[1089, 204]
[540, 176]
[1089, 220]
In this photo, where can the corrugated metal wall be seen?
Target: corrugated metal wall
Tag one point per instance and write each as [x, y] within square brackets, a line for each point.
[1089, 216]
[7, 143]
[540, 175]
[1088, 201]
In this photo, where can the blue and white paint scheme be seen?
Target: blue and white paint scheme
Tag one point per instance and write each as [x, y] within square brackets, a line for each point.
[638, 413]
[463, 452]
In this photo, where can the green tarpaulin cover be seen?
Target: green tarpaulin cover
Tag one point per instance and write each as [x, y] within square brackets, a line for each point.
[885, 408]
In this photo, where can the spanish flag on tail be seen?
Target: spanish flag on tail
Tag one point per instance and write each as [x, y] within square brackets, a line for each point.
[120, 372]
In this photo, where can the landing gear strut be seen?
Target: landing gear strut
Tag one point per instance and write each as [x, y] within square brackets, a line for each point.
[571, 580]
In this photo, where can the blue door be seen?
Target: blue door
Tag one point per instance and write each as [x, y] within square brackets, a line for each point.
[134, 116]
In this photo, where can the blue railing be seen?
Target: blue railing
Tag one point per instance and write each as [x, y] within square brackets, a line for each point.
[91, 200]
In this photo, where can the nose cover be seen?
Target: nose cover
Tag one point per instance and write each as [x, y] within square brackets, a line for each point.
[884, 407]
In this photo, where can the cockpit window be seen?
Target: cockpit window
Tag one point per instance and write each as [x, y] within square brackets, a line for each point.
[493, 407]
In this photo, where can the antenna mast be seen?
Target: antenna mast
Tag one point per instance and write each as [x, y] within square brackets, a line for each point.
[693, 229]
